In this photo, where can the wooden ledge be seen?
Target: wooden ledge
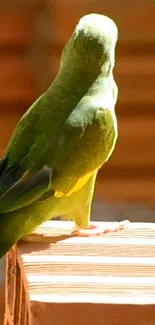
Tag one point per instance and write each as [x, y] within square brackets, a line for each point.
[69, 280]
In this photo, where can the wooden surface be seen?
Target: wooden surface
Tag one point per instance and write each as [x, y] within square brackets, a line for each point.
[31, 41]
[104, 280]
[2, 290]
[16, 295]
[117, 265]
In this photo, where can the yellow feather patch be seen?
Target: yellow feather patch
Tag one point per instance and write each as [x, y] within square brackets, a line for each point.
[79, 184]
[58, 194]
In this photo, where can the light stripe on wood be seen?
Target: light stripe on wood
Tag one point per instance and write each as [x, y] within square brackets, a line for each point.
[62, 268]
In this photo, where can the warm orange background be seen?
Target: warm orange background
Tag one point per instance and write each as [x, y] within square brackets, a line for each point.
[32, 36]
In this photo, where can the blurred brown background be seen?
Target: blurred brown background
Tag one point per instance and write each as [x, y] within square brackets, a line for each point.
[32, 35]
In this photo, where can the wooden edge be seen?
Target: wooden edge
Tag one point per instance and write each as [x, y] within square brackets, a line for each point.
[108, 278]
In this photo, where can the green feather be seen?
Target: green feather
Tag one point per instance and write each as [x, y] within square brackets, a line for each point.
[51, 161]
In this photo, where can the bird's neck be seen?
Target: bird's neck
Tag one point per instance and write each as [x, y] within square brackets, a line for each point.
[71, 85]
[77, 81]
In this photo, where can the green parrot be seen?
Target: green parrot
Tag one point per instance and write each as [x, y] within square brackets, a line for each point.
[51, 162]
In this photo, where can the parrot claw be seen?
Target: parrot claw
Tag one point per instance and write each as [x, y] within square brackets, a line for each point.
[94, 230]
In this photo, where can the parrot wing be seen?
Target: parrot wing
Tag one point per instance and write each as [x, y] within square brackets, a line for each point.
[15, 193]
[64, 174]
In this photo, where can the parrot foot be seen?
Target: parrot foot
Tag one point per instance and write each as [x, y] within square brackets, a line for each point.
[94, 230]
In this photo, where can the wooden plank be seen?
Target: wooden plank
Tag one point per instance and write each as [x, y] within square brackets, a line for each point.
[134, 127]
[19, 298]
[142, 14]
[135, 145]
[135, 65]
[108, 279]
[101, 259]
[111, 171]
[142, 26]
[130, 190]
[125, 110]
[17, 82]
[134, 95]
[16, 27]
[129, 158]
[135, 47]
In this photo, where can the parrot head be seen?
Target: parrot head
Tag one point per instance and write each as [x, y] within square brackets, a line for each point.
[92, 44]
